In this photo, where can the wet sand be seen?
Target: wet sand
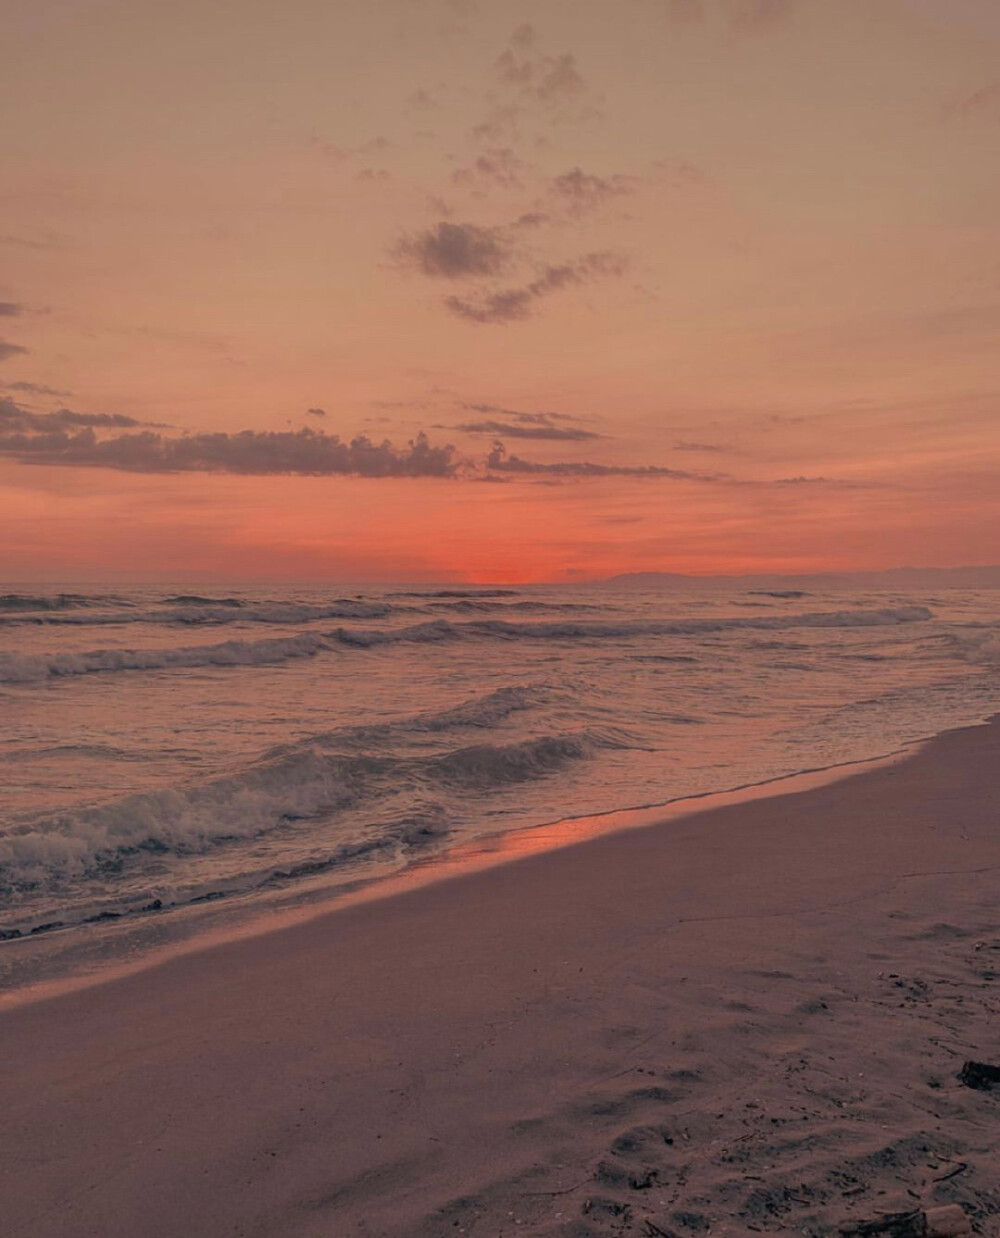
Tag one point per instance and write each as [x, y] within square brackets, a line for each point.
[749, 1019]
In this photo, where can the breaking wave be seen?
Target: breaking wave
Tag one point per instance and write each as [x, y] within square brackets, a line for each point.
[297, 782]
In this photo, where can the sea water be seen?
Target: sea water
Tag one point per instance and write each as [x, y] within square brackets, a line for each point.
[161, 749]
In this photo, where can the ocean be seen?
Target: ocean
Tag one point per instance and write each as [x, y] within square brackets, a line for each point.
[164, 751]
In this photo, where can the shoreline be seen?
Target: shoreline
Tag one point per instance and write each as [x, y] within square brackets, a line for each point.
[327, 897]
[750, 1018]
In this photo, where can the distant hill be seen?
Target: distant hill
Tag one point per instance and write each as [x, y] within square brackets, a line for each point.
[985, 577]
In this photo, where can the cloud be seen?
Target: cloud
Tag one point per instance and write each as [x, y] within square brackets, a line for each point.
[305, 452]
[582, 191]
[683, 445]
[521, 430]
[528, 418]
[10, 309]
[500, 462]
[11, 350]
[456, 251]
[515, 304]
[498, 166]
[34, 389]
[560, 79]
[14, 416]
[316, 412]
[548, 79]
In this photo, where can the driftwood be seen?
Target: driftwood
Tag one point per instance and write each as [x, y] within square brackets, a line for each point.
[980, 1075]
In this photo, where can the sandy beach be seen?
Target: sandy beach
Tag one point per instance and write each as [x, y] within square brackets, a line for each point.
[750, 1019]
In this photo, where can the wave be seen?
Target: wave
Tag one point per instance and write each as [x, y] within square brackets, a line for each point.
[443, 630]
[62, 601]
[191, 612]
[30, 668]
[287, 786]
[458, 593]
[195, 599]
[481, 712]
[976, 643]
[468, 606]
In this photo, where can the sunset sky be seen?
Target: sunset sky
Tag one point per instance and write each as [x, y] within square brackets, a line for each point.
[681, 285]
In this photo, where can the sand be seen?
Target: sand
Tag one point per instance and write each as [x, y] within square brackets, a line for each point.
[748, 1020]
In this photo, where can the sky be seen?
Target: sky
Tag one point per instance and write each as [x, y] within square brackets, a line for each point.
[461, 290]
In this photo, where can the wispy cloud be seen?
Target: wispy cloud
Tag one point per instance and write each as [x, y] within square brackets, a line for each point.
[581, 192]
[541, 431]
[514, 304]
[685, 445]
[14, 416]
[541, 419]
[501, 462]
[496, 167]
[25, 388]
[10, 309]
[11, 350]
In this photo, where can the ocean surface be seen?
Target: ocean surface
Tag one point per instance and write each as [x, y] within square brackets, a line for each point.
[162, 749]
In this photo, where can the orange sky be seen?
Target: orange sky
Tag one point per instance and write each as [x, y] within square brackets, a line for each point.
[749, 245]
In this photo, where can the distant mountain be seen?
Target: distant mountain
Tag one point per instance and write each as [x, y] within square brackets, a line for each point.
[985, 577]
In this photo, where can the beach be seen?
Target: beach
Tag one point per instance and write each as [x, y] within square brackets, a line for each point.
[748, 1019]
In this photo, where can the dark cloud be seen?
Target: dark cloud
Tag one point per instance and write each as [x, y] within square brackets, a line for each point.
[11, 350]
[14, 416]
[456, 251]
[582, 191]
[515, 304]
[522, 430]
[316, 412]
[500, 462]
[306, 452]
[10, 309]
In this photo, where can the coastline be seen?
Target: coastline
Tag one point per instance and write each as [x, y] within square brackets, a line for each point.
[135, 941]
[737, 1017]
